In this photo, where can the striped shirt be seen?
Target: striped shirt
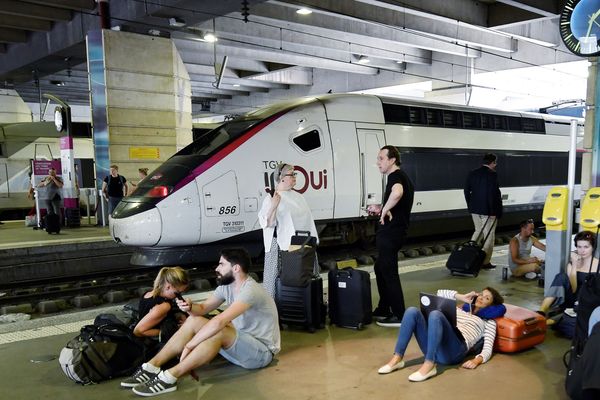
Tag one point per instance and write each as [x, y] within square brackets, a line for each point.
[473, 328]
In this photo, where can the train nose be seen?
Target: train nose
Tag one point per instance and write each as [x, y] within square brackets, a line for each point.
[142, 229]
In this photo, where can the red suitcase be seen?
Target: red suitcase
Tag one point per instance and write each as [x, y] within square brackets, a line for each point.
[519, 329]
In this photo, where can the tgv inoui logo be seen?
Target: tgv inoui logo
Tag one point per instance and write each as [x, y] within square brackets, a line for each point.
[305, 179]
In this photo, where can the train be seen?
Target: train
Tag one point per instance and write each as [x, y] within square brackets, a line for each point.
[25, 141]
[208, 195]
[22, 142]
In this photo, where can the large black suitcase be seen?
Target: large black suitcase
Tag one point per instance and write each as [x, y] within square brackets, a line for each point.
[52, 223]
[466, 259]
[301, 306]
[350, 302]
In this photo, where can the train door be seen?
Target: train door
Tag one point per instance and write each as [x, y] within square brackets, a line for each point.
[371, 180]
[221, 211]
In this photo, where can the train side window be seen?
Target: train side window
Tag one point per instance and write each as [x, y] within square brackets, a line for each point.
[471, 120]
[308, 141]
[514, 124]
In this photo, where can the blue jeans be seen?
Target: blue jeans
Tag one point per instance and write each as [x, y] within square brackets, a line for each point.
[112, 203]
[436, 337]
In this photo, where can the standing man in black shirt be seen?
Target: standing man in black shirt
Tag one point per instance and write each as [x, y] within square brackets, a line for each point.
[394, 218]
[114, 188]
[483, 197]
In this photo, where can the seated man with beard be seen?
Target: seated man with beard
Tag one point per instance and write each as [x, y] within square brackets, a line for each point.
[246, 333]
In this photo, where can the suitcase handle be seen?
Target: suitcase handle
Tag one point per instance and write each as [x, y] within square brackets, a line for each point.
[530, 321]
[306, 233]
[346, 271]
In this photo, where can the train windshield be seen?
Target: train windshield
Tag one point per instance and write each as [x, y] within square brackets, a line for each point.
[160, 182]
[212, 140]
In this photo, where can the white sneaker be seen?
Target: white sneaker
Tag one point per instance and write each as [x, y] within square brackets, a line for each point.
[531, 275]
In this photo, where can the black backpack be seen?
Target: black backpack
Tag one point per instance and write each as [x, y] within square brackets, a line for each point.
[582, 379]
[101, 352]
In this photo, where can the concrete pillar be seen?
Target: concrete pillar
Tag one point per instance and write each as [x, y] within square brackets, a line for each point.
[141, 101]
[590, 168]
[13, 108]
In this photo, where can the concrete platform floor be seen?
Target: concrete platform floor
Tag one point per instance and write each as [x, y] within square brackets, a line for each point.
[333, 363]
[14, 234]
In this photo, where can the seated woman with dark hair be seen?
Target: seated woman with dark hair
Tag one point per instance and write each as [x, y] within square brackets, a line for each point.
[439, 340]
[565, 286]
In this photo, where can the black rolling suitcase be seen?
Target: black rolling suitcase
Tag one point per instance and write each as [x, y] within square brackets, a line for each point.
[301, 305]
[52, 223]
[350, 302]
[466, 258]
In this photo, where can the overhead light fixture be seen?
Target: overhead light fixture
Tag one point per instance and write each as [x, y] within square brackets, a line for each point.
[176, 22]
[303, 11]
[209, 37]
[58, 83]
[236, 85]
[363, 60]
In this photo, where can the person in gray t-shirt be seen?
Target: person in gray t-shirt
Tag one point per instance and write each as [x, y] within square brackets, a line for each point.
[53, 184]
[246, 333]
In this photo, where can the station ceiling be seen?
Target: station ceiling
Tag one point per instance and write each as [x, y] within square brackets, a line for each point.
[273, 52]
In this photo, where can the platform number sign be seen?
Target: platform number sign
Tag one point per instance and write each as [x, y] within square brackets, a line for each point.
[580, 27]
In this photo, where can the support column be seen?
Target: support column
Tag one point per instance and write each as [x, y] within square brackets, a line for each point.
[591, 160]
[141, 101]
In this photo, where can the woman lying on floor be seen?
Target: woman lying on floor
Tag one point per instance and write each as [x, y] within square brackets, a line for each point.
[439, 340]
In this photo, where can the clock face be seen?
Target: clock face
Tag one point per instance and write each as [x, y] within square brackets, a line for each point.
[58, 118]
[580, 27]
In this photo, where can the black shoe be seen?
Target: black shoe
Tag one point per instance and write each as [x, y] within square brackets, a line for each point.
[488, 266]
[379, 314]
[390, 322]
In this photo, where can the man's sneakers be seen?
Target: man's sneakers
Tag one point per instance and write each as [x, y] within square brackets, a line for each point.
[390, 322]
[155, 386]
[488, 266]
[379, 314]
[139, 376]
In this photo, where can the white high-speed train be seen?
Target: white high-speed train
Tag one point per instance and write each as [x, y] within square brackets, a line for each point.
[208, 195]
[24, 141]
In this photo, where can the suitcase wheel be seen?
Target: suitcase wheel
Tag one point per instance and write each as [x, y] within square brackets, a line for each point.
[360, 326]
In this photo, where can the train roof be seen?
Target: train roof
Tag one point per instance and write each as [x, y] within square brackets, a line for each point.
[22, 130]
[274, 108]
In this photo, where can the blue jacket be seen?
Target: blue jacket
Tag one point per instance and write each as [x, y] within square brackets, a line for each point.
[482, 192]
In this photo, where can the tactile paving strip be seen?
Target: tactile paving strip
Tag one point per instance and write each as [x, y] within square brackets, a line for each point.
[71, 327]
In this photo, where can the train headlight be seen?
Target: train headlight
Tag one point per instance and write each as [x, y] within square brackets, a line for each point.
[158, 192]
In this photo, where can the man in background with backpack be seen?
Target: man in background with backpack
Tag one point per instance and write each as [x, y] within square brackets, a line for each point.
[114, 188]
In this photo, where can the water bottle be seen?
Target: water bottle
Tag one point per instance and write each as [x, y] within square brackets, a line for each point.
[504, 273]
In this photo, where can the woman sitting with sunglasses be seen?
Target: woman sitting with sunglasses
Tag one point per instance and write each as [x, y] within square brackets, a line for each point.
[439, 340]
[565, 286]
[281, 215]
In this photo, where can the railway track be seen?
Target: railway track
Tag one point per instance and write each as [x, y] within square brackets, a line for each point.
[48, 295]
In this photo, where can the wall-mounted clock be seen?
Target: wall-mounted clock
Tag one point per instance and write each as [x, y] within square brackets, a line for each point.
[580, 27]
[60, 118]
